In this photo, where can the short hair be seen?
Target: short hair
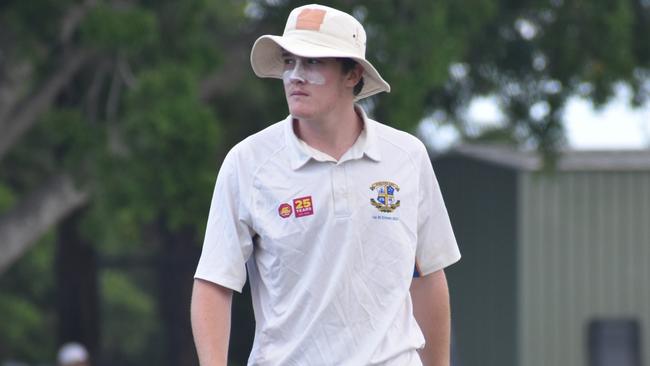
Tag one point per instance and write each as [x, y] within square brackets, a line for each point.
[348, 65]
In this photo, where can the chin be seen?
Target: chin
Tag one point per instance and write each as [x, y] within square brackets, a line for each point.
[298, 110]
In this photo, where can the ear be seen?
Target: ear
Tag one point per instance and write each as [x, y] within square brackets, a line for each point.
[354, 75]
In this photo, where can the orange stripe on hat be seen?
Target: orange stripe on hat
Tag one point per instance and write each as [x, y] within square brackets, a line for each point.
[310, 19]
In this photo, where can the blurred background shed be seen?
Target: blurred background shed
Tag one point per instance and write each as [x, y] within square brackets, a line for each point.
[546, 254]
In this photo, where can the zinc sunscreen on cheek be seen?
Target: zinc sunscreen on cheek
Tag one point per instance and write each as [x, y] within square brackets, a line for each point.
[303, 74]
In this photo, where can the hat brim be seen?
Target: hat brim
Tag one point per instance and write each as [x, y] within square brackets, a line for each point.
[266, 60]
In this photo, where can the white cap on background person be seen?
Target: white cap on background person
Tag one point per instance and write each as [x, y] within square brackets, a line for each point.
[72, 353]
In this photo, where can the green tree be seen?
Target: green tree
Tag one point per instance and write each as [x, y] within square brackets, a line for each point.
[102, 121]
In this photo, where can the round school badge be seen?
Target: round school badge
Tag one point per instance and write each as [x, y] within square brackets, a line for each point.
[386, 192]
[285, 210]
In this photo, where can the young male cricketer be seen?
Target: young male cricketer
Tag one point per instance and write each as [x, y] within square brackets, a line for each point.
[338, 218]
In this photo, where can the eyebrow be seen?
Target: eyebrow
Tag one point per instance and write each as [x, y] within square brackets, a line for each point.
[287, 54]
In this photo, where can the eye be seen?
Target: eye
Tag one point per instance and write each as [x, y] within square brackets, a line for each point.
[289, 61]
[313, 61]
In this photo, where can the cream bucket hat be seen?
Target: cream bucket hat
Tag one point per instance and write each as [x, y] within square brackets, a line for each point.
[317, 31]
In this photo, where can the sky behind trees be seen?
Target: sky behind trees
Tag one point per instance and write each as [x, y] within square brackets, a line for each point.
[615, 125]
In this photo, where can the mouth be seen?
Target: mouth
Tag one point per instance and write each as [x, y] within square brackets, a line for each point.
[298, 93]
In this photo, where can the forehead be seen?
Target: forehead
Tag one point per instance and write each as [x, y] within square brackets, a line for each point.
[285, 54]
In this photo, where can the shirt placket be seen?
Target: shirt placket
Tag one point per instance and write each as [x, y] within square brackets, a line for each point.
[340, 191]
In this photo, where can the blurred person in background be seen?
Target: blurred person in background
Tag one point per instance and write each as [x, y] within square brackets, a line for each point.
[73, 354]
[338, 219]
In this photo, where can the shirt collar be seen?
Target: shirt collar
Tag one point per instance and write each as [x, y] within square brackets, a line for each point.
[366, 144]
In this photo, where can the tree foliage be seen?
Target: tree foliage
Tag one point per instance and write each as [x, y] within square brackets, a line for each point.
[138, 101]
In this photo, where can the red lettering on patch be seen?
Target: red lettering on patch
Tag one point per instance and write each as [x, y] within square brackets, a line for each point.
[284, 210]
[303, 206]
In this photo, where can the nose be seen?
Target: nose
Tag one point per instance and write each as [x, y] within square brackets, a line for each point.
[289, 77]
[297, 74]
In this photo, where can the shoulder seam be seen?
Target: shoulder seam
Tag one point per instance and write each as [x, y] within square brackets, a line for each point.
[411, 157]
[256, 171]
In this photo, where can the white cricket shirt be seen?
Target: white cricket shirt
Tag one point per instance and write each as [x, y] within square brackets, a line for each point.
[331, 247]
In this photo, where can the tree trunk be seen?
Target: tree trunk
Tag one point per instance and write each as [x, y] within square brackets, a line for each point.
[178, 258]
[77, 288]
[243, 327]
[26, 114]
[34, 215]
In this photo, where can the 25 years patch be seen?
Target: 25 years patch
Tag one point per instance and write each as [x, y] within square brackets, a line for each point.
[302, 206]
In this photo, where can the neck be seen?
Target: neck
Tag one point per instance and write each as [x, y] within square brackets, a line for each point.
[332, 134]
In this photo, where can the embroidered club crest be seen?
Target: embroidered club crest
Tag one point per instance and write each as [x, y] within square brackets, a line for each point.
[386, 201]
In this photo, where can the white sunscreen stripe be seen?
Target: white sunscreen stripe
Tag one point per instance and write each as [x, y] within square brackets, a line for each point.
[302, 74]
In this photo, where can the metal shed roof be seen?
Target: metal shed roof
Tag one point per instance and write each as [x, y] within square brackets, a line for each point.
[569, 160]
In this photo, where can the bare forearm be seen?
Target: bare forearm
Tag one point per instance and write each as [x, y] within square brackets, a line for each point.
[211, 322]
[431, 308]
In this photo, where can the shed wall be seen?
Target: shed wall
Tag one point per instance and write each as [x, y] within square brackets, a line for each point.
[481, 202]
[584, 254]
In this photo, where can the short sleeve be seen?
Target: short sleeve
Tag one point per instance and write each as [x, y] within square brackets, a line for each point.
[228, 241]
[436, 247]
